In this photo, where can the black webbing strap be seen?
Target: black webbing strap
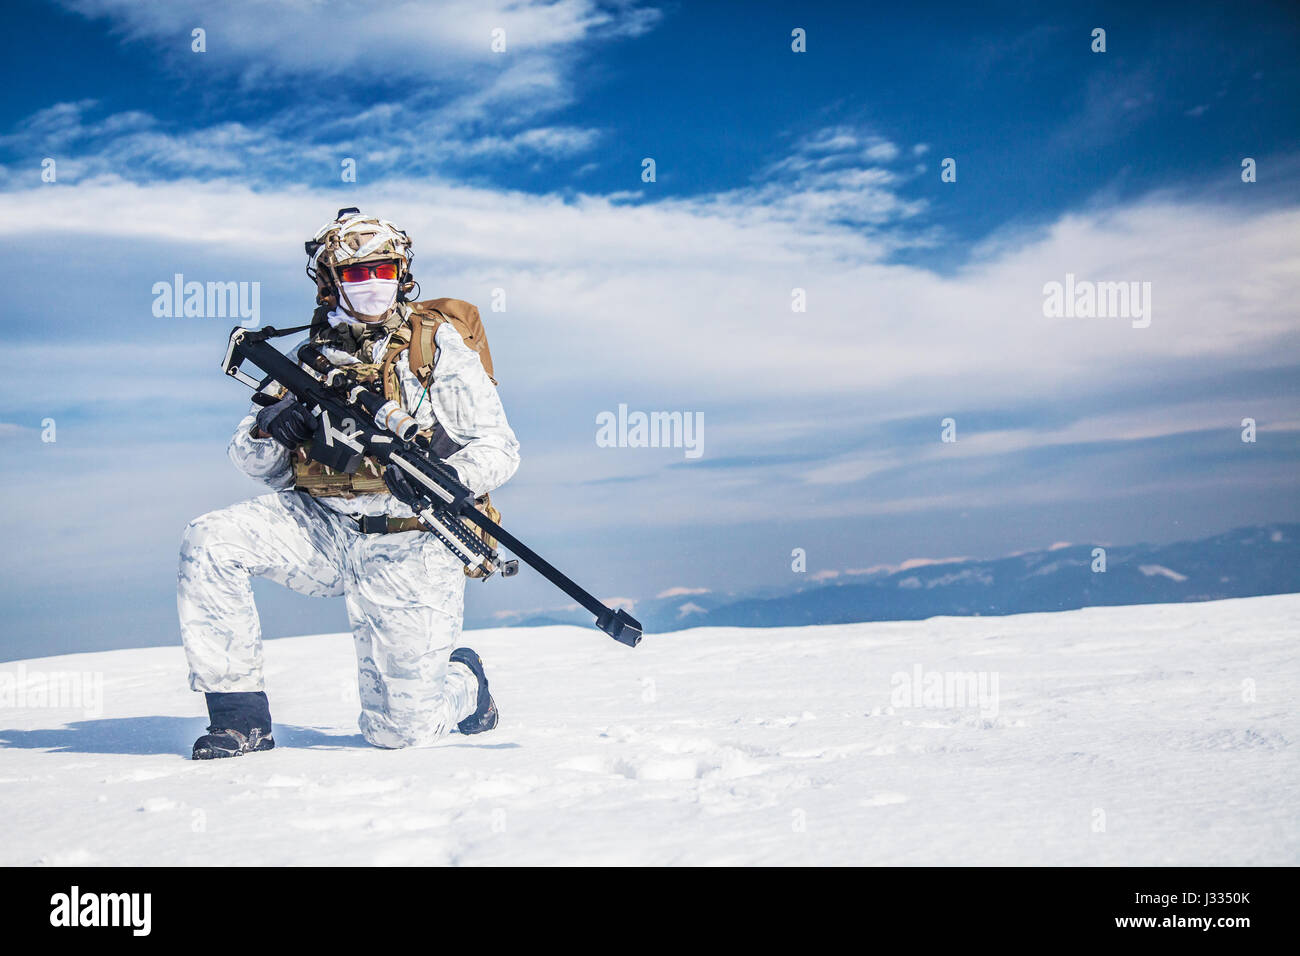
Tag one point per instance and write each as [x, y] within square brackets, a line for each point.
[271, 332]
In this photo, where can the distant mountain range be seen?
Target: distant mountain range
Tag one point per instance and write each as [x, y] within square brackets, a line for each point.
[1245, 562]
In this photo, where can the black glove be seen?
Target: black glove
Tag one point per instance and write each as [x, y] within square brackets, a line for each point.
[412, 494]
[288, 421]
[400, 485]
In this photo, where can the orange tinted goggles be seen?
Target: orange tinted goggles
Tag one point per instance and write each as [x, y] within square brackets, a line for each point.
[360, 273]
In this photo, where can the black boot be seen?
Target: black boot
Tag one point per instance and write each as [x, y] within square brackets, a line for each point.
[241, 724]
[485, 715]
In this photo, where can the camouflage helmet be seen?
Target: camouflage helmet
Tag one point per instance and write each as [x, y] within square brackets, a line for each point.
[353, 238]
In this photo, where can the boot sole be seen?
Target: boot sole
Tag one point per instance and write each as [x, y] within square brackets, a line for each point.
[208, 754]
[485, 717]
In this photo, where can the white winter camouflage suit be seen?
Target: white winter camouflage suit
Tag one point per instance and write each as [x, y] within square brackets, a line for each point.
[404, 591]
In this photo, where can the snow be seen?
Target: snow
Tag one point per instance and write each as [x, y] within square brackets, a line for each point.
[1160, 734]
[1153, 569]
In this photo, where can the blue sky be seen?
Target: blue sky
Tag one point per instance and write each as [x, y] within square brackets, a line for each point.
[775, 171]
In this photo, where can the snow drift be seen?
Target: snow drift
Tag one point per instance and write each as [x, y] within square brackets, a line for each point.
[1160, 734]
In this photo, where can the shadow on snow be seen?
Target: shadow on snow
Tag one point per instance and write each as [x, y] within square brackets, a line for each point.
[156, 735]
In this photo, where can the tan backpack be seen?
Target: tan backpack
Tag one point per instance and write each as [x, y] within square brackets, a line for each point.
[426, 316]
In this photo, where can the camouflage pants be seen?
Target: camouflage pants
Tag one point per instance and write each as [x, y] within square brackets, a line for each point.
[405, 597]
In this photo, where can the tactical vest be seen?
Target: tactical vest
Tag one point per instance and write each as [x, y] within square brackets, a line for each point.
[415, 336]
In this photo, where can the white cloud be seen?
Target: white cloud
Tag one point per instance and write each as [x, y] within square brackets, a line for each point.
[680, 592]
[543, 140]
[710, 281]
[911, 563]
[690, 300]
[881, 152]
[414, 137]
[335, 38]
[1152, 570]
[460, 102]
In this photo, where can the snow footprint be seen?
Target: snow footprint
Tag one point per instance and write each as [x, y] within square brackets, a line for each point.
[669, 768]
[726, 763]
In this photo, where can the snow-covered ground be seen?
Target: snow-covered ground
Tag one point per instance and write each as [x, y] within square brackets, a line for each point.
[1137, 735]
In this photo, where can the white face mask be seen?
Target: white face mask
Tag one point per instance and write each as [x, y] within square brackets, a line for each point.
[370, 299]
